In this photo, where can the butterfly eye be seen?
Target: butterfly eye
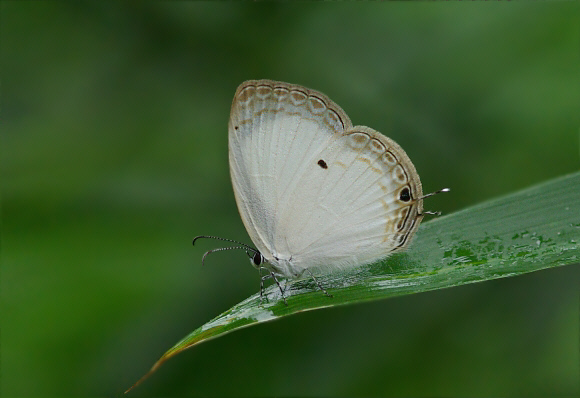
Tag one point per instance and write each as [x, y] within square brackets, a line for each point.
[257, 259]
[405, 195]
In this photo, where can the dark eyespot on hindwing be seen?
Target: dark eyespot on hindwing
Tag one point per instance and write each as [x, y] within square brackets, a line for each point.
[405, 195]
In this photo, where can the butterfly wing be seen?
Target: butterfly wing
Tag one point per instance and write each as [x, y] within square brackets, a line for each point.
[359, 208]
[311, 189]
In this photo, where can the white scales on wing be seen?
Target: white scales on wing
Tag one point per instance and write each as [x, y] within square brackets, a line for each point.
[313, 190]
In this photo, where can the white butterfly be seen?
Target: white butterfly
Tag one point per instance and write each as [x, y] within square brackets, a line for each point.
[312, 190]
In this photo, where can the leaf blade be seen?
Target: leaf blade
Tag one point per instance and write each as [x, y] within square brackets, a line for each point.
[527, 231]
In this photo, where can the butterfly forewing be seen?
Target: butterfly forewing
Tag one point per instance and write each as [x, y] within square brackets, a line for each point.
[274, 128]
[311, 188]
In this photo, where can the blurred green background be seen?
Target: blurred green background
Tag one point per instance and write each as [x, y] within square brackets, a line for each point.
[114, 155]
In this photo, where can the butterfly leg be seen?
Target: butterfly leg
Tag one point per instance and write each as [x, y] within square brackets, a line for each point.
[262, 279]
[268, 276]
[318, 283]
[279, 286]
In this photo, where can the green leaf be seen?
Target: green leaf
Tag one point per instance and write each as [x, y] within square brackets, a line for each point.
[527, 231]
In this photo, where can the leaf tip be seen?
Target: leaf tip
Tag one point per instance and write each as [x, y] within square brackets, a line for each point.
[146, 375]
